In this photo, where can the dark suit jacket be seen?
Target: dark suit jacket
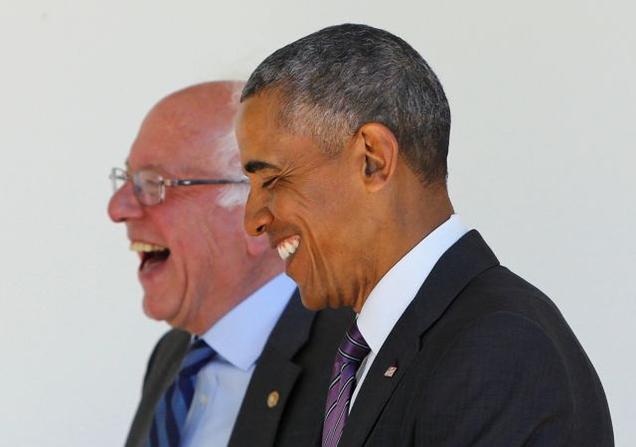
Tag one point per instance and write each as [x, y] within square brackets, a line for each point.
[296, 362]
[484, 359]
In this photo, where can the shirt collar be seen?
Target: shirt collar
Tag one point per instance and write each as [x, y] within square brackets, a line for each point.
[391, 296]
[240, 335]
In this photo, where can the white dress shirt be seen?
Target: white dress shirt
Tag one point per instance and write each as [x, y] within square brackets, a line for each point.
[238, 338]
[392, 295]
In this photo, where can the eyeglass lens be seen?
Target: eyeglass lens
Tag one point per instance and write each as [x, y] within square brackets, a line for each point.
[148, 187]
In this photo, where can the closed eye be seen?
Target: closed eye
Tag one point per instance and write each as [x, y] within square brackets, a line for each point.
[269, 182]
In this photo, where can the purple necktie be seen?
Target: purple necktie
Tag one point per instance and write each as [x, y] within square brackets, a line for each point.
[351, 352]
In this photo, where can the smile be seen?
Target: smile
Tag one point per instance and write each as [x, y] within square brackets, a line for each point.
[287, 247]
[149, 253]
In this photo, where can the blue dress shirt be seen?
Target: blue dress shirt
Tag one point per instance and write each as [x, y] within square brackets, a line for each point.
[238, 338]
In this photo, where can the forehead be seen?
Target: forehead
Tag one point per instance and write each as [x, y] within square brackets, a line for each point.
[182, 142]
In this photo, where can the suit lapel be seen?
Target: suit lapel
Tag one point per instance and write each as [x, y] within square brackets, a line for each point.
[162, 368]
[273, 379]
[376, 388]
[166, 365]
[467, 258]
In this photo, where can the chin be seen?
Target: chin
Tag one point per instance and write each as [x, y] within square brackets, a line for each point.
[156, 309]
[150, 311]
[311, 302]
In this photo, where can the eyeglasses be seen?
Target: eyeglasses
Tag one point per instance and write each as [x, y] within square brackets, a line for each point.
[150, 187]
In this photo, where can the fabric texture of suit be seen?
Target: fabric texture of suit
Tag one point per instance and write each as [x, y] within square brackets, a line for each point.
[483, 359]
[296, 363]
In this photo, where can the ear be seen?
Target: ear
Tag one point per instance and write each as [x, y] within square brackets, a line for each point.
[379, 152]
[256, 245]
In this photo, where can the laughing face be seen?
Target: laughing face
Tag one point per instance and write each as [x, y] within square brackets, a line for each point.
[193, 253]
[311, 205]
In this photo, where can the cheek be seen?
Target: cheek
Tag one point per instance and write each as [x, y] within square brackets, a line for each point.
[221, 241]
[313, 200]
[189, 239]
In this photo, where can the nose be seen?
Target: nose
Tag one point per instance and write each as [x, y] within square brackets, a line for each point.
[257, 216]
[123, 205]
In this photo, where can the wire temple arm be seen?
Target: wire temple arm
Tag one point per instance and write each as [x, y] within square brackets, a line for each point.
[189, 182]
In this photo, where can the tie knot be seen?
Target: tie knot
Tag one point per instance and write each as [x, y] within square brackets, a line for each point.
[199, 354]
[354, 348]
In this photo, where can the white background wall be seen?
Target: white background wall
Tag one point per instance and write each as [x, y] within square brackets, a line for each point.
[542, 162]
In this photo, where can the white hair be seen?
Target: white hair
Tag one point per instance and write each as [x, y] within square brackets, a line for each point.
[227, 158]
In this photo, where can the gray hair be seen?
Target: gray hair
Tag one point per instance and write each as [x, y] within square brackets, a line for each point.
[337, 79]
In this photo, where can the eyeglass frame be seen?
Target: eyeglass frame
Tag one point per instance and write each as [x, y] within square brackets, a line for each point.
[124, 175]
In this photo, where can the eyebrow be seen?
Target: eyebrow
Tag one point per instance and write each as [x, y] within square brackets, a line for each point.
[190, 170]
[257, 165]
[152, 167]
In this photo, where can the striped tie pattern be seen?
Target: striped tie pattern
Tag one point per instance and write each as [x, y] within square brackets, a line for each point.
[351, 352]
[172, 409]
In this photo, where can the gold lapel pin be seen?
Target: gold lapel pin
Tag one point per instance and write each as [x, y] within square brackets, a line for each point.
[272, 399]
[390, 371]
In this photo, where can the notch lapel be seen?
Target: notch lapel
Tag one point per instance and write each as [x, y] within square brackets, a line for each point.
[376, 388]
[162, 368]
[462, 262]
[258, 420]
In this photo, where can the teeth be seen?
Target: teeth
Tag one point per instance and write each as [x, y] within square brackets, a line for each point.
[288, 247]
[142, 247]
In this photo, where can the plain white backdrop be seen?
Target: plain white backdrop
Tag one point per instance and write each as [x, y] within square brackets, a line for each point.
[541, 162]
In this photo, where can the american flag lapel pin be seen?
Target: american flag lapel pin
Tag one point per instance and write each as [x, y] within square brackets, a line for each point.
[390, 371]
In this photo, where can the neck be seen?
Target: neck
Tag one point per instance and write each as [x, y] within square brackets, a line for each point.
[245, 285]
[408, 222]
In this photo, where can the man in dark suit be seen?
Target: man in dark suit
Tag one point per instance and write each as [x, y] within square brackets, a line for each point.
[245, 363]
[344, 136]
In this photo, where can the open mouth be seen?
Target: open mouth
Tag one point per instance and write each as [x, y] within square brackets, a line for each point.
[151, 255]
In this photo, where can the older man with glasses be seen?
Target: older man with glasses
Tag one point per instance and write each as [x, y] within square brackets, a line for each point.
[245, 364]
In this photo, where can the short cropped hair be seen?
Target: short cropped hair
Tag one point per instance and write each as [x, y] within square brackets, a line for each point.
[337, 79]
